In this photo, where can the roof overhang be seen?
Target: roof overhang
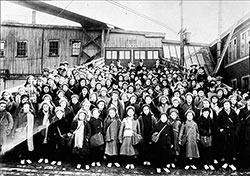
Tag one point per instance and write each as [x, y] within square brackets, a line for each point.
[57, 11]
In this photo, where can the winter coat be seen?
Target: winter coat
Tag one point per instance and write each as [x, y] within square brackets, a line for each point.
[6, 125]
[176, 125]
[111, 130]
[245, 131]
[126, 140]
[193, 137]
[229, 126]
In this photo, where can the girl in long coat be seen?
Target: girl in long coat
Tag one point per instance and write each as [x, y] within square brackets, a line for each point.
[129, 127]
[147, 122]
[96, 125]
[189, 131]
[111, 129]
[206, 129]
[245, 133]
[229, 126]
[162, 148]
[81, 134]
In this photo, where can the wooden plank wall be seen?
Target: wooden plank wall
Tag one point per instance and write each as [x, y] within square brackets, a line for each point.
[36, 36]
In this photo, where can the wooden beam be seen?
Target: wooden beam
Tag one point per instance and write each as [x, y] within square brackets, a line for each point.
[91, 38]
[224, 50]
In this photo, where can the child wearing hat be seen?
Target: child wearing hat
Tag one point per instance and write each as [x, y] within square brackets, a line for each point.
[96, 148]
[176, 125]
[147, 122]
[129, 127]
[206, 128]
[111, 131]
[81, 132]
[188, 138]
[162, 147]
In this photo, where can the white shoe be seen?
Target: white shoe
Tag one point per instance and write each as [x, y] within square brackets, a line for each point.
[53, 163]
[225, 166]
[93, 164]
[158, 170]
[22, 162]
[173, 165]
[145, 163]
[193, 167]
[28, 161]
[109, 165]
[127, 166]
[40, 161]
[232, 167]
[98, 164]
[87, 167]
[166, 170]
[215, 161]
[132, 166]
[59, 163]
[117, 165]
[212, 167]
[186, 167]
[206, 167]
[168, 166]
[148, 163]
[46, 161]
[78, 166]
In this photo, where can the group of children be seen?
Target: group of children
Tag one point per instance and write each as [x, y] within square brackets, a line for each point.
[158, 116]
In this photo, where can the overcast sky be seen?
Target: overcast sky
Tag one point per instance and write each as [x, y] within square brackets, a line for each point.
[200, 17]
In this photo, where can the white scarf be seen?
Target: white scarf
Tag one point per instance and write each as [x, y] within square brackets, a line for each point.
[46, 123]
[79, 135]
[30, 126]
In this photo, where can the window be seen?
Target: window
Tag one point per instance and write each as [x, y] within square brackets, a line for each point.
[22, 49]
[234, 83]
[140, 54]
[75, 47]
[121, 54]
[2, 46]
[245, 82]
[111, 55]
[244, 43]
[232, 51]
[152, 54]
[53, 47]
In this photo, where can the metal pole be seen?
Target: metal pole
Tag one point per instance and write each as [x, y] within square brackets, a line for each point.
[181, 38]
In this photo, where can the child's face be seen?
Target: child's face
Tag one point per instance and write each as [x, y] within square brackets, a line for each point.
[101, 105]
[96, 114]
[205, 113]
[206, 104]
[190, 116]
[164, 118]
[59, 114]
[175, 103]
[214, 100]
[74, 100]
[174, 115]
[63, 104]
[45, 107]
[112, 113]
[148, 100]
[146, 110]
[81, 116]
[130, 112]
[227, 105]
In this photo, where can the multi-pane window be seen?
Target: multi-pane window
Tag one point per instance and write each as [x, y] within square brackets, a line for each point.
[121, 54]
[244, 43]
[2, 46]
[232, 51]
[152, 54]
[75, 49]
[140, 54]
[53, 47]
[22, 49]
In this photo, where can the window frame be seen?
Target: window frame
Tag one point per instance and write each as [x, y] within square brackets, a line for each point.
[25, 50]
[232, 82]
[118, 54]
[242, 81]
[72, 47]
[3, 50]
[54, 40]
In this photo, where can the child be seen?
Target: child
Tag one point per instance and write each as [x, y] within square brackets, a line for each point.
[189, 136]
[81, 131]
[162, 147]
[147, 122]
[176, 125]
[206, 128]
[111, 128]
[129, 127]
[96, 128]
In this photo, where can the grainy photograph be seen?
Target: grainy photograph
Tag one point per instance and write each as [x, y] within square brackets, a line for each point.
[124, 87]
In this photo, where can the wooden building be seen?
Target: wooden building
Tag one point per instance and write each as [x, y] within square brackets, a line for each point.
[234, 65]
